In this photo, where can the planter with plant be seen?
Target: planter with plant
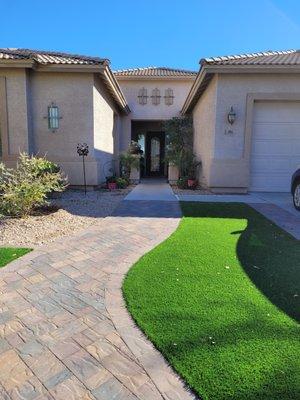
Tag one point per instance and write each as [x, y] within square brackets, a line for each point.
[111, 182]
[192, 168]
[128, 161]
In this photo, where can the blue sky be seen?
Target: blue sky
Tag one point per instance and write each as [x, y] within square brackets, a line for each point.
[137, 33]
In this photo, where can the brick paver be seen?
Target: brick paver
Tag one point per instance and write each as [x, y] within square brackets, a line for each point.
[64, 330]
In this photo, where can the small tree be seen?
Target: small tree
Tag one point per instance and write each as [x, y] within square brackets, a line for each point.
[179, 144]
[27, 186]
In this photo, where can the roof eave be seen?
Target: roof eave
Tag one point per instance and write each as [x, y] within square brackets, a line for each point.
[187, 106]
[116, 90]
[251, 68]
[68, 67]
[154, 78]
[20, 63]
[207, 71]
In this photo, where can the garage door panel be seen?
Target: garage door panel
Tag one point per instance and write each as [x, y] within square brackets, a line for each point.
[274, 131]
[277, 111]
[274, 183]
[274, 148]
[275, 152]
[265, 165]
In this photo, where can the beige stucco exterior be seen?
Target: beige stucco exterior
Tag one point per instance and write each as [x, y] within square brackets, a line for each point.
[149, 111]
[88, 114]
[14, 112]
[226, 155]
[204, 120]
[104, 111]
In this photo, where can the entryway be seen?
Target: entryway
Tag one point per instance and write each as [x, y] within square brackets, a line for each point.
[151, 137]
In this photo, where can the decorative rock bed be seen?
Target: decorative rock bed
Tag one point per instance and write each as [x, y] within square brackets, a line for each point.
[69, 212]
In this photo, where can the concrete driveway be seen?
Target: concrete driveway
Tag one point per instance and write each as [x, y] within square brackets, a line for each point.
[282, 200]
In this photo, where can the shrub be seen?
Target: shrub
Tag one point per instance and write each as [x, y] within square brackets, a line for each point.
[127, 162]
[182, 182]
[122, 183]
[27, 186]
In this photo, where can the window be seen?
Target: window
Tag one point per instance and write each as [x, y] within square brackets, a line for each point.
[142, 96]
[155, 96]
[53, 117]
[155, 155]
[169, 97]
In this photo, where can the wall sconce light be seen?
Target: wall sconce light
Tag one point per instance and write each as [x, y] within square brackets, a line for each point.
[231, 116]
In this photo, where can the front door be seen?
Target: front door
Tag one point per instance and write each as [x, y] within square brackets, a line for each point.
[155, 153]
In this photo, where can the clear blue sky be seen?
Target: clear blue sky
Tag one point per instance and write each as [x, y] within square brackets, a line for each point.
[137, 33]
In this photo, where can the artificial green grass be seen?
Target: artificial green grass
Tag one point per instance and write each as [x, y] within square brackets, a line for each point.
[8, 254]
[220, 300]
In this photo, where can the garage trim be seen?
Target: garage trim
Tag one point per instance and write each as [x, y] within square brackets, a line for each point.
[251, 98]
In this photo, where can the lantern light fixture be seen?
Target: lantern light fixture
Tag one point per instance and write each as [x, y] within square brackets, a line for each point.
[231, 116]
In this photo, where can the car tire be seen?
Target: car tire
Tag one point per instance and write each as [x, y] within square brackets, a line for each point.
[296, 195]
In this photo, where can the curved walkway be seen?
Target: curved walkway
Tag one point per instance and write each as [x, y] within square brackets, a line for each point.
[64, 330]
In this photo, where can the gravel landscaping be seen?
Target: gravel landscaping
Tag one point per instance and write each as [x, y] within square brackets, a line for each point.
[70, 212]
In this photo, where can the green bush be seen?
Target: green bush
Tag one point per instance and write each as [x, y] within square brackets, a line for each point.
[182, 182]
[27, 186]
[122, 183]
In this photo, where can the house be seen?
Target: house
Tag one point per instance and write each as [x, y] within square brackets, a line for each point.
[259, 149]
[50, 102]
[245, 108]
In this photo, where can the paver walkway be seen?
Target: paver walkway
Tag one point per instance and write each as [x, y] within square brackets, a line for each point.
[152, 189]
[65, 333]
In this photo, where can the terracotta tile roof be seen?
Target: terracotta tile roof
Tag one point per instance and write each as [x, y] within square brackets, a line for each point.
[288, 60]
[49, 57]
[286, 57]
[155, 72]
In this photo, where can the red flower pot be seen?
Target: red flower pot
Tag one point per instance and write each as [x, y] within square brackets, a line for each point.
[112, 185]
[191, 183]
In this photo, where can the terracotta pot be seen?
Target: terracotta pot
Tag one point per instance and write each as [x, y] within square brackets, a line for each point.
[112, 185]
[191, 183]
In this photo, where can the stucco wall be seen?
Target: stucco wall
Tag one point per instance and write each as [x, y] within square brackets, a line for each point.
[15, 123]
[105, 129]
[229, 167]
[87, 111]
[73, 94]
[149, 111]
[204, 118]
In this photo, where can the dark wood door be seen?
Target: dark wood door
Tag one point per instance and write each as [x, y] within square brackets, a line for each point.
[155, 153]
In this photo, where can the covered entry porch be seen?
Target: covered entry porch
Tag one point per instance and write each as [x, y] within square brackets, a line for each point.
[151, 137]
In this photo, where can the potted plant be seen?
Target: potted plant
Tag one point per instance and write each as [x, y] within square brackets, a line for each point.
[192, 166]
[128, 161]
[111, 182]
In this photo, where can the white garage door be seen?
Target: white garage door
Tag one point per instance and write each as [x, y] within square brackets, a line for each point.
[275, 151]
